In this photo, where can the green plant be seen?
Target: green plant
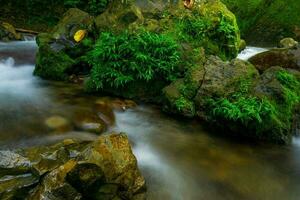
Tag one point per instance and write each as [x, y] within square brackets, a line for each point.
[122, 59]
[291, 88]
[184, 105]
[242, 109]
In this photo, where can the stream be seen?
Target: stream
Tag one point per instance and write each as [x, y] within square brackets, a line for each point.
[180, 159]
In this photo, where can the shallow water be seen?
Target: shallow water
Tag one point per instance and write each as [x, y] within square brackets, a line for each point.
[180, 159]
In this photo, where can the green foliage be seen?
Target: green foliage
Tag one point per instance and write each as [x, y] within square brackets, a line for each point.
[217, 38]
[122, 59]
[242, 109]
[94, 7]
[44, 14]
[53, 65]
[184, 105]
[291, 87]
[272, 19]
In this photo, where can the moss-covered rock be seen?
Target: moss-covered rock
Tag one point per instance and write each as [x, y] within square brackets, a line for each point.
[234, 97]
[8, 32]
[59, 52]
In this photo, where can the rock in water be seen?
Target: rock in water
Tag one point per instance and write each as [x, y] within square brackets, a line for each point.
[285, 58]
[288, 43]
[104, 169]
[8, 32]
[58, 123]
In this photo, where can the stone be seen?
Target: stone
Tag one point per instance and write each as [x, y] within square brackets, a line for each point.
[114, 155]
[58, 49]
[12, 163]
[288, 43]
[285, 58]
[8, 32]
[15, 185]
[89, 121]
[58, 123]
[103, 169]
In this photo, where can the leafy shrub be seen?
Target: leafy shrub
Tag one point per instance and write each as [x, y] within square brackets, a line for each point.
[217, 38]
[122, 59]
[243, 109]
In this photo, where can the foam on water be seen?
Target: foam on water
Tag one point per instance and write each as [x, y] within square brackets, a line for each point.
[250, 51]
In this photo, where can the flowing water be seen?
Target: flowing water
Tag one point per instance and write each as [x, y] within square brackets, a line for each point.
[180, 159]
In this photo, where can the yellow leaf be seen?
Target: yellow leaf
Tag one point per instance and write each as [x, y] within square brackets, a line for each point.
[79, 35]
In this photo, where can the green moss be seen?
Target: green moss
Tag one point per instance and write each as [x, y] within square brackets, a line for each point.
[52, 65]
[217, 34]
[263, 117]
[120, 60]
[184, 105]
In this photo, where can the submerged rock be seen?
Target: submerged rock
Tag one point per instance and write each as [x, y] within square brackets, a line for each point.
[104, 169]
[58, 123]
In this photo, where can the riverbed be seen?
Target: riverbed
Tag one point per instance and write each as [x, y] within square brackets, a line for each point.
[180, 159]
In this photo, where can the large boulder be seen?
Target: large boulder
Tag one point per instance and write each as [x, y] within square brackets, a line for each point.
[288, 58]
[235, 98]
[8, 32]
[59, 50]
[104, 169]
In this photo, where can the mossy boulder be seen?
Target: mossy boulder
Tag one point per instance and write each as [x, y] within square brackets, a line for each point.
[59, 52]
[234, 97]
[104, 169]
[8, 32]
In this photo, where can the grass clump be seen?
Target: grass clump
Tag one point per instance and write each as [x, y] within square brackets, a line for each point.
[120, 60]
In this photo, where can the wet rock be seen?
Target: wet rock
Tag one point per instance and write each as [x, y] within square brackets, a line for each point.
[85, 177]
[12, 163]
[104, 169]
[14, 186]
[285, 58]
[53, 185]
[105, 110]
[8, 32]
[288, 43]
[119, 104]
[58, 123]
[114, 155]
[89, 121]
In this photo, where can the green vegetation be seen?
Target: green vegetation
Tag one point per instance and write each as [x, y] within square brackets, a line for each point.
[119, 60]
[271, 20]
[244, 110]
[53, 65]
[41, 14]
[291, 90]
[217, 38]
